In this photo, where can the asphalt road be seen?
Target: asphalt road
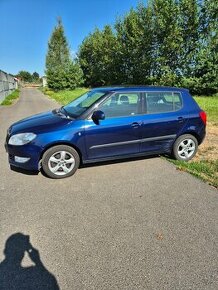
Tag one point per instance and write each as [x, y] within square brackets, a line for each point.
[139, 224]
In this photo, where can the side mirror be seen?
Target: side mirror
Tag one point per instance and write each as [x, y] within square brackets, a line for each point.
[98, 115]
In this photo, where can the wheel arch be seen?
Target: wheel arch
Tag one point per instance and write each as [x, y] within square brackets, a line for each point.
[60, 143]
[193, 133]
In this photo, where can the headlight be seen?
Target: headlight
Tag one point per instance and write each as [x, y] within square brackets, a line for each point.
[21, 139]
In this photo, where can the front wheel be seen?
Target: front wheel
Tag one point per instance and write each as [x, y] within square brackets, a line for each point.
[185, 147]
[60, 161]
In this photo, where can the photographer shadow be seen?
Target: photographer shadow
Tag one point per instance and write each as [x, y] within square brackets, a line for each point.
[13, 276]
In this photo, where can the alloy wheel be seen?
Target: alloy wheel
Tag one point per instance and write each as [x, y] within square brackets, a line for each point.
[61, 163]
[186, 148]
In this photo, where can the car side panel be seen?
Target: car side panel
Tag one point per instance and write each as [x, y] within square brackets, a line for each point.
[113, 136]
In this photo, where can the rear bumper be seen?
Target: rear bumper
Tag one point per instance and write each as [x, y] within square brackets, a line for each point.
[201, 134]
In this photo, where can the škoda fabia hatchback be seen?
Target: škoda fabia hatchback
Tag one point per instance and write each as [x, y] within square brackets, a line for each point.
[105, 124]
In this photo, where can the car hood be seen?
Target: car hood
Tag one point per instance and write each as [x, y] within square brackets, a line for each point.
[40, 123]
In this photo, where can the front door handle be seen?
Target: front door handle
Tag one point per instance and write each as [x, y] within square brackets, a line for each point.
[135, 124]
[180, 119]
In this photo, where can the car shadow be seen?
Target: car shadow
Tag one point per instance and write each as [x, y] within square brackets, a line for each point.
[15, 276]
[108, 162]
[23, 171]
[86, 165]
[116, 161]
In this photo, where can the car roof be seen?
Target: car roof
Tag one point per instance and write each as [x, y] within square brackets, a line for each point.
[139, 89]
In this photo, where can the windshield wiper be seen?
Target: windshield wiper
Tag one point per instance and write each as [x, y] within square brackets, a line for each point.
[65, 111]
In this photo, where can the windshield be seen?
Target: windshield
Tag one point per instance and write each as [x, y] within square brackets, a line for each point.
[82, 103]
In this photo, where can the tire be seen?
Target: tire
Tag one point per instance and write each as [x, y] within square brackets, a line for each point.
[60, 161]
[185, 147]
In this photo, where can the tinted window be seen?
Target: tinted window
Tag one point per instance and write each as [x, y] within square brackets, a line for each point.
[177, 101]
[120, 105]
[158, 102]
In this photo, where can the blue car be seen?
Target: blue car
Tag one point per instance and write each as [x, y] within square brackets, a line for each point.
[106, 124]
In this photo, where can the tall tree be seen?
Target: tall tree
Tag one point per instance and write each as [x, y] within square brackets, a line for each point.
[189, 23]
[166, 41]
[96, 56]
[207, 57]
[134, 46]
[59, 66]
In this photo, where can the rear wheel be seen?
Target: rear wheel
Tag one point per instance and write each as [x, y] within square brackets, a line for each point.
[185, 147]
[60, 161]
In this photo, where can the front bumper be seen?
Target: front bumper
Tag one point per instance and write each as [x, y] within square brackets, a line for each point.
[30, 151]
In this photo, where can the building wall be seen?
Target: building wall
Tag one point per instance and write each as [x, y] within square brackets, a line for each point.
[7, 84]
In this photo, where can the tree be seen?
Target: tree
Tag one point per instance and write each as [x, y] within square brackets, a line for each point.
[166, 42]
[25, 76]
[207, 57]
[96, 56]
[59, 66]
[129, 37]
[35, 76]
[189, 23]
[74, 76]
[134, 37]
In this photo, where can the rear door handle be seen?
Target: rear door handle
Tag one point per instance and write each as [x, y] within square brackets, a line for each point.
[136, 124]
[180, 119]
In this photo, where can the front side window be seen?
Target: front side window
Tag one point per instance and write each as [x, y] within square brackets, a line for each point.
[81, 104]
[161, 102]
[121, 105]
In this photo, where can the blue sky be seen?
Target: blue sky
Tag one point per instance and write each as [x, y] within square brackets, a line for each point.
[26, 26]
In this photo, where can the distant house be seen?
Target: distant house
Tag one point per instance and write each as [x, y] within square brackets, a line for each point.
[44, 81]
[16, 82]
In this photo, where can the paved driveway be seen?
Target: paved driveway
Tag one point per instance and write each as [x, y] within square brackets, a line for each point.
[133, 225]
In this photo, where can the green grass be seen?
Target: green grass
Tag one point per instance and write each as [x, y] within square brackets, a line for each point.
[207, 170]
[210, 106]
[64, 97]
[11, 98]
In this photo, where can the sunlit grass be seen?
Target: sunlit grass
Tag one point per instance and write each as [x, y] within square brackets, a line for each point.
[210, 106]
[11, 98]
[64, 97]
[206, 170]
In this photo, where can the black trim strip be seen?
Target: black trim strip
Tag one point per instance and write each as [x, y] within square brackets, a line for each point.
[116, 144]
[158, 138]
[134, 141]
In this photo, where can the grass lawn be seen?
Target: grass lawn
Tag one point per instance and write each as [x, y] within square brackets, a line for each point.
[205, 164]
[11, 98]
[210, 106]
[64, 97]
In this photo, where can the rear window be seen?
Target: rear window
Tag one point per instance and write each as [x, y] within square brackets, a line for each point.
[162, 102]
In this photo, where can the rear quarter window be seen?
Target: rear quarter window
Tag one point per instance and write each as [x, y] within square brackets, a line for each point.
[162, 102]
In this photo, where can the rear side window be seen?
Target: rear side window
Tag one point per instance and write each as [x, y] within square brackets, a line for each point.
[162, 102]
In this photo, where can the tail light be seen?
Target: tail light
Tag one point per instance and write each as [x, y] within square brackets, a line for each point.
[203, 117]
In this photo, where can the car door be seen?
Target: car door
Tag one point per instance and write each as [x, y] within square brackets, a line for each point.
[162, 121]
[119, 133]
